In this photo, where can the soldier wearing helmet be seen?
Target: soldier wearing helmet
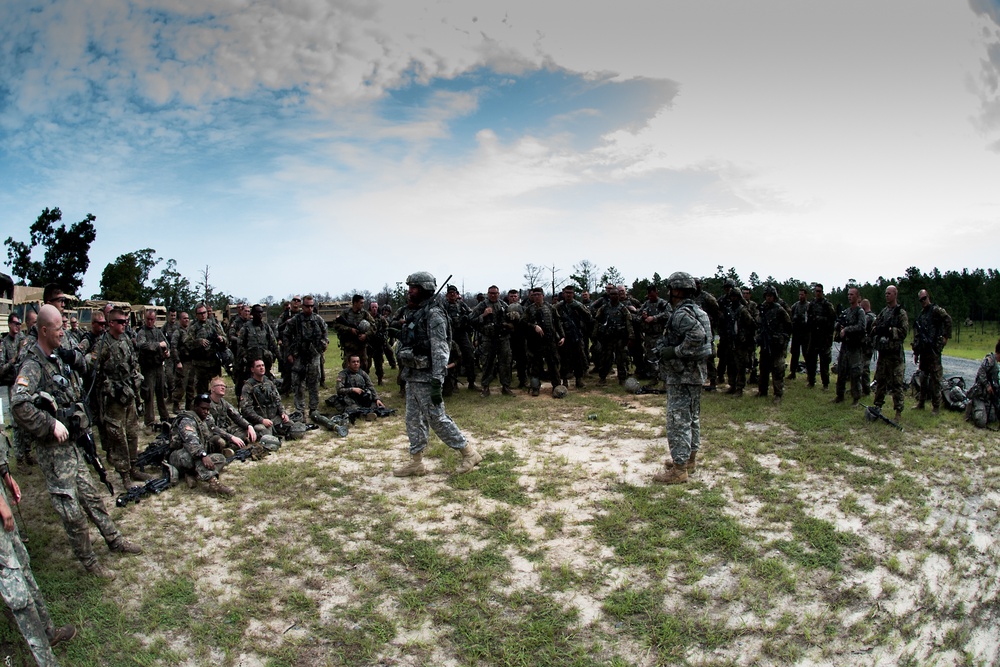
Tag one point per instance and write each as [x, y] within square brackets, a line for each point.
[352, 335]
[685, 345]
[424, 348]
[772, 336]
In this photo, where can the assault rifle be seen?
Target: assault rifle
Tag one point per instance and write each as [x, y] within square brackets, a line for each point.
[872, 413]
[85, 441]
[156, 451]
[353, 413]
[244, 455]
[135, 493]
[72, 418]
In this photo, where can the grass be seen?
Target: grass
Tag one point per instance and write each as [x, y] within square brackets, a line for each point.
[806, 533]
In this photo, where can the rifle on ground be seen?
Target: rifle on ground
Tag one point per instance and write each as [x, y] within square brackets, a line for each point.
[135, 493]
[244, 455]
[354, 413]
[872, 413]
[156, 451]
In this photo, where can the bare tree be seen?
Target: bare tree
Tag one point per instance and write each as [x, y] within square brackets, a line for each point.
[532, 275]
[585, 275]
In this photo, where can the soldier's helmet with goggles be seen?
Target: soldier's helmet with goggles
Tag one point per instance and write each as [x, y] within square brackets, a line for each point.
[422, 279]
[681, 280]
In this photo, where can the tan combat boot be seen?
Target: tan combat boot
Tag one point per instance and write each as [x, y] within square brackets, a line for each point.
[218, 488]
[127, 480]
[470, 459]
[691, 463]
[671, 474]
[123, 546]
[61, 634]
[139, 475]
[98, 570]
[414, 467]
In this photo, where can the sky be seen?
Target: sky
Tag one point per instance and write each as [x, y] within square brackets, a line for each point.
[339, 145]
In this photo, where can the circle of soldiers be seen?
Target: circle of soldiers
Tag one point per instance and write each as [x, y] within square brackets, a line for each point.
[63, 383]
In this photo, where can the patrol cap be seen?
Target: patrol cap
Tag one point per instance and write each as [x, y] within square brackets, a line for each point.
[452, 288]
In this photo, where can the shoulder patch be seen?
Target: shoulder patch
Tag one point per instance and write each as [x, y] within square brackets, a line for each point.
[22, 381]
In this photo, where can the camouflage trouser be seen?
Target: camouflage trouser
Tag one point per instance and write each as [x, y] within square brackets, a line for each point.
[120, 435]
[422, 415]
[683, 420]
[930, 366]
[866, 371]
[981, 412]
[306, 372]
[542, 354]
[800, 344]
[20, 592]
[154, 388]
[649, 364]
[773, 365]
[494, 357]
[823, 351]
[184, 390]
[849, 368]
[468, 355]
[185, 463]
[614, 351]
[203, 372]
[75, 498]
[572, 360]
[890, 373]
[734, 361]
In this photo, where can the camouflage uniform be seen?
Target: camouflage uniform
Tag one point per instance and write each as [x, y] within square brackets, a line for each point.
[170, 366]
[190, 440]
[688, 332]
[518, 344]
[204, 363]
[931, 331]
[888, 332]
[710, 305]
[822, 318]
[346, 326]
[647, 366]
[773, 333]
[227, 421]
[9, 345]
[494, 342]
[613, 328]
[255, 342]
[184, 377]
[306, 340]
[576, 321]
[378, 347]
[800, 334]
[751, 344]
[70, 487]
[736, 326]
[260, 401]
[117, 370]
[347, 381]
[981, 409]
[542, 349]
[458, 313]
[854, 326]
[154, 381]
[423, 357]
[868, 351]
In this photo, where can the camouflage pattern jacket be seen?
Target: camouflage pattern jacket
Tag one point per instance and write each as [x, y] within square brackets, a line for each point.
[425, 335]
[660, 310]
[196, 332]
[822, 318]
[227, 420]
[347, 381]
[347, 323]
[260, 401]
[190, 433]
[496, 324]
[116, 366]
[890, 328]
[39, 373]
[576, 320]
[545, 317]
[932, 327]
[689, 332]
[854, 326]
[305, 336]
[774, 330]
[257, 342]
[147, 344]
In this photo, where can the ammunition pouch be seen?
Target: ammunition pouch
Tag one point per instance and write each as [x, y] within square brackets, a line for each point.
[406, 356]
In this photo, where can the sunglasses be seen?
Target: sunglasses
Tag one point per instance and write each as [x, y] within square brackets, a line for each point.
[119, 321]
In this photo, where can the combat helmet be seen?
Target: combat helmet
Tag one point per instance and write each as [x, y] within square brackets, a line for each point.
[422, 279]
[770, 290]
[681, 280]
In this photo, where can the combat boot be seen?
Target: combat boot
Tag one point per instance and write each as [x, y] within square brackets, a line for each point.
[671, 474]
[123, 546]
[139, 475]
[60, 635]
[691, 463]
[99, 571]
[505, 391]
[218, 488]
[127, 480]
[414, 467]
[191, 480]
[485, 392]
[899, 415]
[470, 459]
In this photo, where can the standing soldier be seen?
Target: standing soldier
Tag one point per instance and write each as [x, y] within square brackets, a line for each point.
[734, 352]
[543, 335]
[458, 312]
[851, 331]
[257, 341]
[751, 344]
[170, 366]
[576, 320]
[931, 333]
[46, 391]
[154, 351]
[518, 345]
[613, 329]
[686, 345]
[821, 319]
[353, 328]
[118, 378]
[490, 318]
[180, 359]
[423, 359]
[285, 368]
[306, 341]
[800, 330]
[775, 327]
[710, 305]
[868, 350]
[204, 340]
[651, 318]
[888, 332]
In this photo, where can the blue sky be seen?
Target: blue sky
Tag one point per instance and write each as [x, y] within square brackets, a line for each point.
[327, 146]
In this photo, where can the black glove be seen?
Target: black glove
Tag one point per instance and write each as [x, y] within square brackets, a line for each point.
[667, 353]
[67, 355]
[436, 397]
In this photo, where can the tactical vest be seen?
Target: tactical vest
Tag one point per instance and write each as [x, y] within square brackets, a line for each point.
[177, 440]
[57, 378]
[414, 337]
[675, 338]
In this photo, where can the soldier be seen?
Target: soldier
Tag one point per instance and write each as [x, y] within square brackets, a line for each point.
[181, 360]
[236, 325]
[17, 583]
[352, 334]
[852, 327]
[423, 359]
[190, 437]
[710, 305]
[543, 335]
[518, 344]
[773, 332]
[984, 396]
[284, 367]
[260, 402]
[204, 340]
[154, 351]
[227, 422]
[867, 350]
[257, 340]
[613, 330]
[355, 389]
[75, 334]
[458, 312]
[736, 325]
[9, 345]
[887, 334]
[490, 318]
[118, 378]
[751, 344]
[576, 320]
[686, 345]
[377, 343]
[306, 341]
[821, 319]
[800, 330]
[931, 333]
[170, 366]
[651, 319]
[46, 391]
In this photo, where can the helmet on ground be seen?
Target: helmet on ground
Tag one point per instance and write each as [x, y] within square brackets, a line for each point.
[422, 279]
[559, 391]
[632, 385]
[681, 280]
